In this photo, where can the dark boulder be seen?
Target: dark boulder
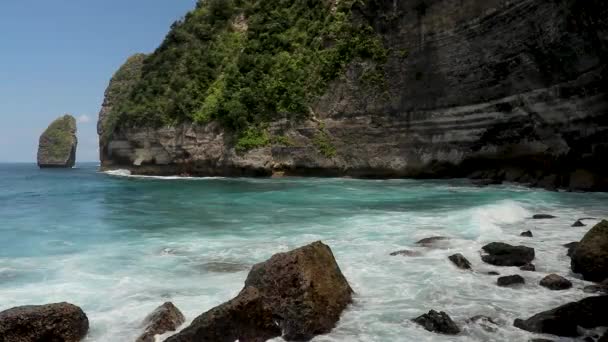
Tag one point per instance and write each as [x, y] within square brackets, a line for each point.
[492, 273]
[165, 318]
[527, 234]
[296, 295]
[578, 223]
[528, 267]
[590, 258]
[571, 247]
[510, 280]
[60, 322]
[542, 216]
[433, 242]
[460, 261]
[555, 282]
[406, 252]
[438, 322]
[588, 313]
[502, 254]
[597, 288]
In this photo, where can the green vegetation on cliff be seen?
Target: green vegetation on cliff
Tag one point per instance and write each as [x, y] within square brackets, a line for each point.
[58, 139]
[244, 63]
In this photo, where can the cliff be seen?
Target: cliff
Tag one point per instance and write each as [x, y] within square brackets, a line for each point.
[57, 145]
[507, 90]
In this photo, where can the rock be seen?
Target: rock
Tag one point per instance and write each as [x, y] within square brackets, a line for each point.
[485, 322]
[493, 273]
[165, 318]
[406, 252]
[598, 288]
[435, 241]
[57, 145]
[526, 234]
[41, 323]
[555, 282]
[542, 216]
[297, 295]
[588, 313]
[528, 267]
[604, 337]
[223, 267]
[590, 258]
[502, 254]
[510, 280]
[571, 247]
[438, 322]
[578, 223]
[460, 261]
[486, 182]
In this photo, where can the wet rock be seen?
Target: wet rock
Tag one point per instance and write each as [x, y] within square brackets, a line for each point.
[543, 217]
[493, 273]
[555, 282]
[41, 323]
[57, 145]
[438, 322]
[590, 258]
[598, 288]
[527, 234]
[223, 267]
[166, 317]
[297, 295]
[485, 322]
[528, 267]
[578, 223]
[588, 313]
[502, 254]
[510, 280]
[571, 247]
[435, 241]
[460, 261]
[406, 252]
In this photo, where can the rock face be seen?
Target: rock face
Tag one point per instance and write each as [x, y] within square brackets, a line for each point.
[438, 322]
[54, 322]
[296, 295]
[508, 90]
[555, 282]
[57, 145]
[590, 257]
[502, 254]
[564, 321]
[165, 318]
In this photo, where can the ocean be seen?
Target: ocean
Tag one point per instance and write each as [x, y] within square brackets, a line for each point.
[119, 246]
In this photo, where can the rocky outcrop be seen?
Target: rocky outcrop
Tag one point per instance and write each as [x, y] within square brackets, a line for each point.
[53, 322]
[57, 145]
[166, 317]
[510, 280]
[499, 89]
[590, 257]
[460, 261]
[296, 295]
[502, 254]
[555, 282]
[438, 322]
[565, 320]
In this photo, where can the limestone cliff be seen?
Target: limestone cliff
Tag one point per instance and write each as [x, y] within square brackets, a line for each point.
[57, 145]
[510, 90]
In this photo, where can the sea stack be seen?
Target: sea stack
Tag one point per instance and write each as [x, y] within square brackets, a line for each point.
[57, 146]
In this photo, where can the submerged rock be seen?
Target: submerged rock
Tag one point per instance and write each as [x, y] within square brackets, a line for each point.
[486, 323]
[578, 223]
[527, 234]
[588, 313]
[502, 254]
[543, 216]
[528, 267]
[41, 323]
[296, 295]
[166, 317]
[460, 261]
[438, 322]
[406, 252]
[57, 145]
[510, 280]
[435, 241]
[590, 258]
[555, 282]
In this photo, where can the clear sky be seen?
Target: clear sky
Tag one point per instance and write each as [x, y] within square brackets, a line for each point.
[57, 56]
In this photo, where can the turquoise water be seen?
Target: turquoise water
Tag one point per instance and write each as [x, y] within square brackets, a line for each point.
[119, 246]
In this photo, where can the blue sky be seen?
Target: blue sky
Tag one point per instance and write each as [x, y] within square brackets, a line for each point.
[57, 56]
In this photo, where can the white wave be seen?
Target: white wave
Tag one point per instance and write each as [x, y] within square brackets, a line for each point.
[489, 219]
[127, 173]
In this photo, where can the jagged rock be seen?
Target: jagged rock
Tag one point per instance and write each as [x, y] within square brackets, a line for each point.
[41, 323]
[438, 322]
[298, 294]
[502, 254]
[527, 234]
[485, 322]
[166, 317]
[588, 313]
[571, 247]
[433, 242]
[57, 145]
[542, 216]
[590, 258]
[578, 223]
[510, 280]
[460, 261]
[528, 267]
[555, 282]
[406, 252]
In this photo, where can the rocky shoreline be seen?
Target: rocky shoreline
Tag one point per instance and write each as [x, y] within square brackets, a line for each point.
[302, 293]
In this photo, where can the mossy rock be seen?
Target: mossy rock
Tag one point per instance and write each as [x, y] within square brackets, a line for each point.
[57, 145]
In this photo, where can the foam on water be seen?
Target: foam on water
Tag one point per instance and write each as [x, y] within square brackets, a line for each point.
[120, 246]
